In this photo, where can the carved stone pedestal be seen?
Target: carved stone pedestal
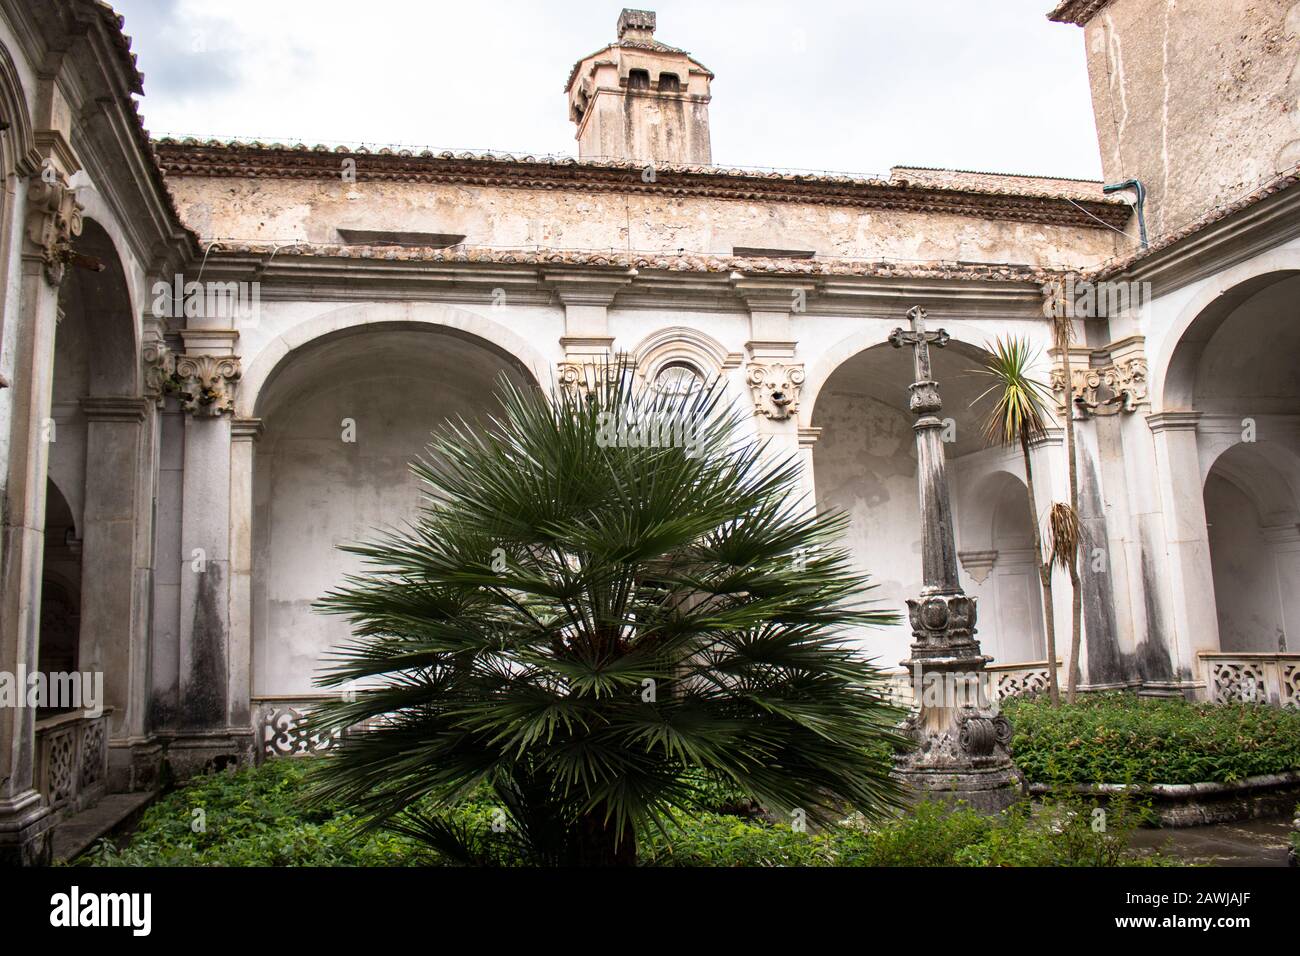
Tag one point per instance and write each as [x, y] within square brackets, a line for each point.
[961, 739]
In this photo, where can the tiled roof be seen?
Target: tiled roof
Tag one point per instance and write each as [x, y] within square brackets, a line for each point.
[988, 199]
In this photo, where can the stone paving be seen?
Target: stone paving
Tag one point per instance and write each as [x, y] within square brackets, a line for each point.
[1262, 842]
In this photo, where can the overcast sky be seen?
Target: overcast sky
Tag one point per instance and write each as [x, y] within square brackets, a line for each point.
[854, 86]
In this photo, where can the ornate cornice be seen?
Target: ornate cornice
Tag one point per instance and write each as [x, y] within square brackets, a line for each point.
[215, 159]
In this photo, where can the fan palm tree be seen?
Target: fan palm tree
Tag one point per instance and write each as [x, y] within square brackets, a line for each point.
[1018, 417]
[606, 597]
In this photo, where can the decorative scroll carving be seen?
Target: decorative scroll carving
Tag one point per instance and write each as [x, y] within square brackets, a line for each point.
[775, 387]
[53, 220]
[60, 766]
[1106, 390]
[206, 383]
[581, 376]
[284, 732]
[1237, 681]
[1290, 695]
[1255, 678]
[1026, 683]
[159, 371]
[94, 752]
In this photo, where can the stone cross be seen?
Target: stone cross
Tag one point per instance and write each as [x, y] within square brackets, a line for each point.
[938, 552]
[961, 739]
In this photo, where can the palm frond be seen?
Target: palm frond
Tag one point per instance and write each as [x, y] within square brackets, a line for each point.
[605, 592]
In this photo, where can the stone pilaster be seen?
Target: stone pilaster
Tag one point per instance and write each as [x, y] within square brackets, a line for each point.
[53, 219]
[1187, 544]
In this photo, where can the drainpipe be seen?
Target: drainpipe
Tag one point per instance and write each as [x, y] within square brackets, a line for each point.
[1141, 191]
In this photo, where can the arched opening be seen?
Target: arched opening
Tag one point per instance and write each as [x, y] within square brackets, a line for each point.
[60, 587]
[1234, 367]
[93, 438]
[999, 566]
[1251, 518]
[343, 417]
[864, 463]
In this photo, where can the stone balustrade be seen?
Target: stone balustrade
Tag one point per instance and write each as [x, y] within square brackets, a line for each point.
[1236, 676]
[72, 760]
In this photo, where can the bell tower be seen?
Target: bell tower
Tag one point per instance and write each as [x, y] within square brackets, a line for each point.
[641, 100]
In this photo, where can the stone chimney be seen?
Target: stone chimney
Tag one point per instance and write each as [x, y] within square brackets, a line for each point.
[641, 100]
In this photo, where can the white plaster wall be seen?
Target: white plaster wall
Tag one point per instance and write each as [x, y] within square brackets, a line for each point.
[1245, 577]
[315, 491]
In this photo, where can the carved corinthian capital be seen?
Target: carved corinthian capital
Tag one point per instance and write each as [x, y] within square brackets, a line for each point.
[206, 383]
[1121, 386]
[53, 220]
[775, 387]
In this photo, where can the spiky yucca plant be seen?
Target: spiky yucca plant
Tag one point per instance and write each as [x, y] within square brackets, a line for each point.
[604, 597]
[1018, 416]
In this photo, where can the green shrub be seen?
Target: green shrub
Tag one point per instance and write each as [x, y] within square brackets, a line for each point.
[1122, 738]
[250, 817]
[257, 817]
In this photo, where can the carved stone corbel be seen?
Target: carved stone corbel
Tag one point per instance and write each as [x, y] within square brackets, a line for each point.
[206, 383]
[775, 387]
[1108, 390]
[579, 374]
[53, 220]
[159, 371]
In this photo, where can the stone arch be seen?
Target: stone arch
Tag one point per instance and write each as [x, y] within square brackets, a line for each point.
[464, 323]
[864, 463]
[995, 551]
[964, 339]
[21, 154]
[342, 416]
[1173, 367]
[679, 343]
[108, 304]
[1253, 526]
[97, 463]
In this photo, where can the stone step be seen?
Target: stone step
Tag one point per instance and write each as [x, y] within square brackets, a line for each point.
[77, 833]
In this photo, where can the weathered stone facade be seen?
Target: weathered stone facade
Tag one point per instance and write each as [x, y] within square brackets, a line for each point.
[219, 357]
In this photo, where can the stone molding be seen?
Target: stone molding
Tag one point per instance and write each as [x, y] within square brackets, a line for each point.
[1173, 421]
[115, 408]
[978, 564]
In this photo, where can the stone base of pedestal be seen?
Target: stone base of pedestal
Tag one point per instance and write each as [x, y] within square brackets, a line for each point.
[25, 825]
[986, 790]
[189, 753]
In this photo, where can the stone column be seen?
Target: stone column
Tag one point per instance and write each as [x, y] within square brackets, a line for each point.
[1187, 542]
[53, 218]
[207, 371]
[961, 740]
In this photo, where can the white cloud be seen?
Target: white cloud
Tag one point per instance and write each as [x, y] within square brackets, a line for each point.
[854, 86]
